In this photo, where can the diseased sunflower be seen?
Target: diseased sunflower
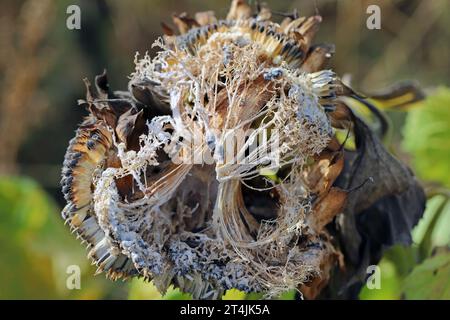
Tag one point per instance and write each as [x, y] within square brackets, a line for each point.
[223, 165]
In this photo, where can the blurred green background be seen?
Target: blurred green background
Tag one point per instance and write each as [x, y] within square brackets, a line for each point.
[42, 64]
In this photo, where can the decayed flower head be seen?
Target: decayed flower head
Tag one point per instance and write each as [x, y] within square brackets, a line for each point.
[251, 214]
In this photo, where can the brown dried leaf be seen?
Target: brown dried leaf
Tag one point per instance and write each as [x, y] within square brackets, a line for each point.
[389, 175]
[341, 117]
[309, 28]
[264, 14]
[318, 58]
[378, 214]
[322, 174]
[239, 10]
[205, 17]
[184, 22]
[312, 289]
[129, 127]
[398, 96]
[327, 208]
[167, 30]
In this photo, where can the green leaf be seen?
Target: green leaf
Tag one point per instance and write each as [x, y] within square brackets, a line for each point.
[288, 295]
[234, 294]
[144, 290]
[176, 294]
[427, 137]
[37, 248]
[430, 280]
[390, 284]
[404, 258]
[432, 230]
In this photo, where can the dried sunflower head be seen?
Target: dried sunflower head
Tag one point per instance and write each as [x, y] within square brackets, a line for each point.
[218, 167]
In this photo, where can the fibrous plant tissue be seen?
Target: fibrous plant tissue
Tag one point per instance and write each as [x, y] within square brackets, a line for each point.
[251, 214]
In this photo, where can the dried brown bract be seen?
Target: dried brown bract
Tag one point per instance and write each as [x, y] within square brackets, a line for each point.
[264, 215]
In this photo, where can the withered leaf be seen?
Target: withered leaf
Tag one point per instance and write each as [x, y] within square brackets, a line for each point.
[318, 58]
[129, 127]
[327, 208]
[102, 86]
[239, 10]
[204, 18]
[184, 22]
[399, 95]
[377, 214]
[168, 31]
[324, 172]
[143, 92]
[372, 160]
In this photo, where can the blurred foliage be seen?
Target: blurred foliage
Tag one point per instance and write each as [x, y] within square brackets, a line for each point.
[430, 279]
[427, 137]
[422, 271]
[36, 248]
[142, 290]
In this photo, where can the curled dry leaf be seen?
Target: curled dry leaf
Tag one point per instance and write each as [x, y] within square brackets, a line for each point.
[294, 211]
